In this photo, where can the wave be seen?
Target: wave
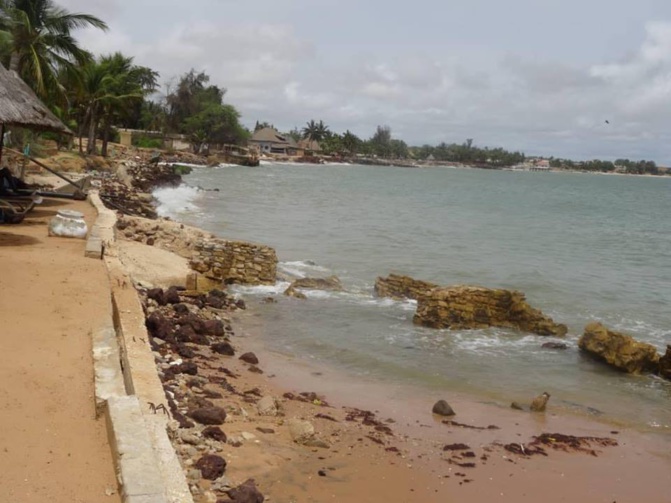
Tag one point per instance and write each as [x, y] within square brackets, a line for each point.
[301, 268]
[173, 201]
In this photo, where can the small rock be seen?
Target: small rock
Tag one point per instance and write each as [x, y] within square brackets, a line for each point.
[538, 404]
[172, 296]
[157, 295]
[554, 345]
[300, 431]
[250, 358]
[442, 408]
[188, 437]
[247, 436]
[215, 433]
[321, 473]
[209, 415]
[516, 406]
[267, 406]
[246, 493]
[223, 348]
[211, 466]
[265, 430]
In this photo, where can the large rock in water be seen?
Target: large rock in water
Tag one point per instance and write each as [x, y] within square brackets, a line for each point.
[402, 287]
[468, 307]
[665, 364]
[330, 283]
[619, 350]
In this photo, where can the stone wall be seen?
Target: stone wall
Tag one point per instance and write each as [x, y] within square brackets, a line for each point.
[235, 261]
[468, 307]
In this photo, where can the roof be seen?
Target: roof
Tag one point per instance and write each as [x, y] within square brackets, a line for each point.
[310, 145]
[19, 106]
[270, 135]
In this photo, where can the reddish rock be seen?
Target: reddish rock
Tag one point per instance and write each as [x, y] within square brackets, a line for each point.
[160, 327]
[186, 333]
[172, 296]
[246, 493]
[209, 415]
[211, 466]
[215, 433]
[189, 368]
[194, 322]
[250, 358]
[223, 348]
[156, 294]
[181, 309]
[213, 327]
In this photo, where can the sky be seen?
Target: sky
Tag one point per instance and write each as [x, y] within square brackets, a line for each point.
[540, 76]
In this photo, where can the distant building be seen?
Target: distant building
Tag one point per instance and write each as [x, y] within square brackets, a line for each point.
[309, 146]
[270, 141]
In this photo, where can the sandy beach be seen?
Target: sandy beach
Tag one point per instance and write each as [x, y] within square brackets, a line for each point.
[367, 441]
[52, 297]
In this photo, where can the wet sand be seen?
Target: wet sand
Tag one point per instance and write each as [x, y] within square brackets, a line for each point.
[51, 447]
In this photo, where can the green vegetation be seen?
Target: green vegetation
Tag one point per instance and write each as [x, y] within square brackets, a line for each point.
[147, 142]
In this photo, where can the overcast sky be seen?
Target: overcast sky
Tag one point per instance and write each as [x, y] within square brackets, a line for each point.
[540, 76]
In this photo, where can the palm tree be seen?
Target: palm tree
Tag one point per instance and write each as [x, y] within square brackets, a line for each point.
[40, 40]
[315, 131]
[351, 141]
[107, 89]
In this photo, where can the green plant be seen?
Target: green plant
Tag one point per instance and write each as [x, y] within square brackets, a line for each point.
[147, 142]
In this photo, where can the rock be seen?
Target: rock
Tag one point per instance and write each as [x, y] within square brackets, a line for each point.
[157, 295]
[209, 415]
[211, 466]
[250, 358]
[517, 406]
[246, 493]
[223, 348]
[185, 351]
[665, 364]
[442, 408]
[270, 300]
[538, 404]
[172, 296]
[181, 309]
[402, 287]
[331, 283]
[213, 327]
[267, 406]
[186, 333]
[188, 368]
[215, 433]
[292, 292]
[159, 326]
[300, 431]
[554, 345]
[469, 307]
[618, 350]
[316, 442]
[193, 321]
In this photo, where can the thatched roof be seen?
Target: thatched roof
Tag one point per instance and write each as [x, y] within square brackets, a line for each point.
[20, 107]
[310, 145]
[270, 135]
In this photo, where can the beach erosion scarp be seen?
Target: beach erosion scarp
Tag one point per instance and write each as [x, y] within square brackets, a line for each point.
[232, 416]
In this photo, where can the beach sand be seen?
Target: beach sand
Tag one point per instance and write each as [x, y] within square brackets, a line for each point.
[52, 448]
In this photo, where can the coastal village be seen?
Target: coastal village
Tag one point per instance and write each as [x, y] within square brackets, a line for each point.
[128, 377]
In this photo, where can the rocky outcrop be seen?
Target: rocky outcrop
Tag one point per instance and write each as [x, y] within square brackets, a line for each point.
[619, 350]
[665, 364]
[397, 286]
[469, 307]
[331, 283]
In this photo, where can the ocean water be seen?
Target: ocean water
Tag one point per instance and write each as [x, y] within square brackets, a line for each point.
[582, 247]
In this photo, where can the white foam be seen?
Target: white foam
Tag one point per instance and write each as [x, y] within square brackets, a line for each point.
[173, 201]
[300, 268]
[275, 289]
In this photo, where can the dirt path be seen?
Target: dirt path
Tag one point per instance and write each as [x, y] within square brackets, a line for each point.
[51, 446]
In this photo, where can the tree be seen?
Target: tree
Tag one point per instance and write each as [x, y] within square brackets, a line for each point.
[262, 125]
[215, 124]
[108, 89]
[315, 131]
[39, 40]
[351, 142]
[381, 141]
[197, 109]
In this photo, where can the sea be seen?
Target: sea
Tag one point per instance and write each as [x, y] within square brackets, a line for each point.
[582, 247]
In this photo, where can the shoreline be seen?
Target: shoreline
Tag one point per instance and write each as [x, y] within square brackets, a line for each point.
[467, 404]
